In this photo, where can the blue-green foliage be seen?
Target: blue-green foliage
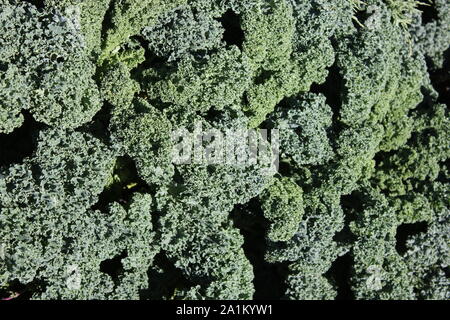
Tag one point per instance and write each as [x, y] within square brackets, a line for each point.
[97, 209]
[44, 54]
[432, 38]
[184, 32]
[304, 123]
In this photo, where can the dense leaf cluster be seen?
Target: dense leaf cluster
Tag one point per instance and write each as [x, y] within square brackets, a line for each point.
[93, 207]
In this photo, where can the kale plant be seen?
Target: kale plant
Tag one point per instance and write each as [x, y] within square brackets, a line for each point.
[94, 95]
